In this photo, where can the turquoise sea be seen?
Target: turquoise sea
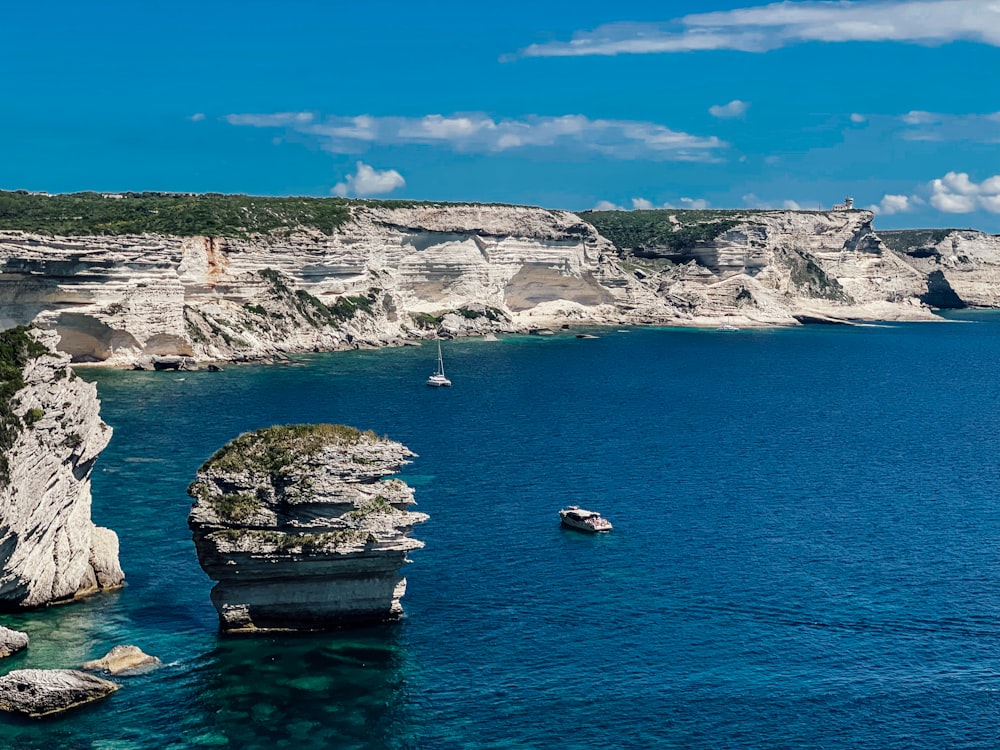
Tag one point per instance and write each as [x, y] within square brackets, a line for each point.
[806, 550]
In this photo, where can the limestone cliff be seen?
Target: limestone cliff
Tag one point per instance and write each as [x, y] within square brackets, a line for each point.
[51, 433]
[962, 266]
[301, 529]
[383, 275]
[389, 273]
[765, 267]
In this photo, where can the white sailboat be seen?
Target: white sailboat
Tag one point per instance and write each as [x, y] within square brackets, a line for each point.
[438, 380]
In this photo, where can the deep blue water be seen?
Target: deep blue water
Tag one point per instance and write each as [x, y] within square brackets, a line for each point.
[805, 550]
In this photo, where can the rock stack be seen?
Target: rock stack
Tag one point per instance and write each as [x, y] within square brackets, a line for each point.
[50, 436]
[301, 529]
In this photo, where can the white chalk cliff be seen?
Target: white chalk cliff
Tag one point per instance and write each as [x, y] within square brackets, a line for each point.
[50, 550]
[302, 530]
[783, 267]
[390, 274]
[962, 267]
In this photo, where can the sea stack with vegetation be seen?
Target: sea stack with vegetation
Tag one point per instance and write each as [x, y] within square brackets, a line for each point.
[51, 434]
[301, 528]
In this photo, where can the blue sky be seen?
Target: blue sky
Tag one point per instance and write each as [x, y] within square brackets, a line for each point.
[576, 105]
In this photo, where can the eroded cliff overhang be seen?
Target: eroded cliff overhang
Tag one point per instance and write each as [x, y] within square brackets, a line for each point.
[303, 527]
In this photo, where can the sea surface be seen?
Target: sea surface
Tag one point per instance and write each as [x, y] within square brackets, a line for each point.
[806, 549]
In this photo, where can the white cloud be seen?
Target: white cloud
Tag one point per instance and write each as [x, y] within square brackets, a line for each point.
[735, 108]
[607, 206]
[275, 120]
[369, 181]
[440, 128]
[766, 27]
[919, 117]
[953, 204]
[752, 201]
[699, 204]
[480, 133]
[349, 129]
[644, 204]
[895, 204]
[956, 193]
[956, 182]
[938, 127]
[197, 117]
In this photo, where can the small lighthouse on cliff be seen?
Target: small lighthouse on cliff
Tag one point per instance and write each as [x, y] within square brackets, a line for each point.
[847, 205]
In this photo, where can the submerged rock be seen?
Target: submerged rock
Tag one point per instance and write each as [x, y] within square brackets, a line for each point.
[51, 435]
[40, 692]
[12, 641]
[301, 530]
[124, 660]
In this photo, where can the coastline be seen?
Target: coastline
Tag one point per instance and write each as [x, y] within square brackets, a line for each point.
[397, 276]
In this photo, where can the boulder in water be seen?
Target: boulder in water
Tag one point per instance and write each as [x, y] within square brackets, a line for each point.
[41, 692]
[12, 641]
[124, 660]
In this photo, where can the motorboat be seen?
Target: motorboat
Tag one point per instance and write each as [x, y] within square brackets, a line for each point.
[584, 520]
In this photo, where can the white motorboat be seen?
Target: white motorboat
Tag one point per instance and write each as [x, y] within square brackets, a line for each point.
[584, 520]
[438, 380]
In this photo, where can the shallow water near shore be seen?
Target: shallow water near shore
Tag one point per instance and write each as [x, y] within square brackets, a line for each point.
[805, 550]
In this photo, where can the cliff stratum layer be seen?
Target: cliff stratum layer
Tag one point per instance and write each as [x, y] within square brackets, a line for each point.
[962, 266]
[51, 434]
[378, 274]
[302, 530]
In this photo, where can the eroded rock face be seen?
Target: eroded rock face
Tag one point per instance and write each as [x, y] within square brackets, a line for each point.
[962, 268]
[393, 274]
[778, 267]
[379, 278]
[50, 550]
[41, 692]
[12, 641]
[301, 529]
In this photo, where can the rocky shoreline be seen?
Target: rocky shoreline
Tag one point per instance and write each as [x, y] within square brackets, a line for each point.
[50, 550]
[391, 276]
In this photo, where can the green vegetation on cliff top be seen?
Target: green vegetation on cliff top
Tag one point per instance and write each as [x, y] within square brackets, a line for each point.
[16, 349]
[272, 449]
[662, 228]
[220, 215]
[904, 239]
[178, 214]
